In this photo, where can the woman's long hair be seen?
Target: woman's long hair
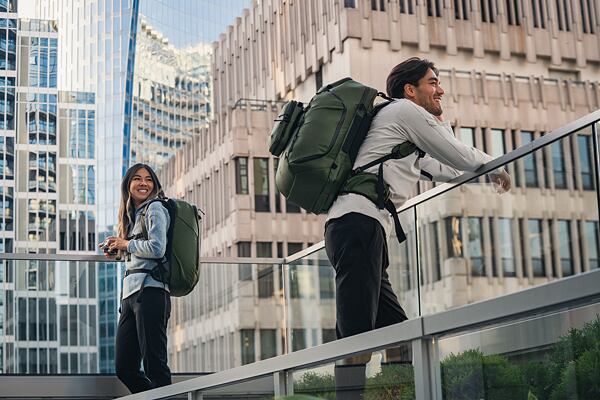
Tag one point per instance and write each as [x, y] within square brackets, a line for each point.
[126, 207]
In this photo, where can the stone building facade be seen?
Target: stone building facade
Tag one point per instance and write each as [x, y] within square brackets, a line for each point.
[512, 71]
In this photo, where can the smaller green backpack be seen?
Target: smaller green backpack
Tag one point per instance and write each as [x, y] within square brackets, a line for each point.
[183, 247]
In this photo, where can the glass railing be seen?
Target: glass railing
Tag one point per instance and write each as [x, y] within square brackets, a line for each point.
[466, 243]
[496, 288]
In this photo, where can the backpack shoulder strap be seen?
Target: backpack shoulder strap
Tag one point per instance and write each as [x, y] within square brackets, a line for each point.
[143, 216]
[399, 151]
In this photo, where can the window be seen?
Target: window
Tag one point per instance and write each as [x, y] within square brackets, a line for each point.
[350, 3]
[245, 270]
[467, 136]
[319, 79]
[488, 9]
[539, 11]
[298, 339]
[241, 175]
[329, 335]
[592, 243]
[497, 146]
[558, 166]
[453, 237]
[22, 319]
[529, 162]
[434, 8]
[585, 160]
[588, 11]
[505, 237]
[378, 5]
[261, 185]
[475, 246]
[435, 258]
[294, 272]
[563, 15]
[266, 283]
[461, 9]
[564, 247]
[268, 343]
[277, 194]
[513, 12]
[247, 343]
[534, 228]
[406, 7]
[326, 282]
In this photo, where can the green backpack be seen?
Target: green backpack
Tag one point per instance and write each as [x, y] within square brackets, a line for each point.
[318, 145]
[183, 247]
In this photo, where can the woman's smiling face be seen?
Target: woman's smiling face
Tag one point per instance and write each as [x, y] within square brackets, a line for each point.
[141, 186]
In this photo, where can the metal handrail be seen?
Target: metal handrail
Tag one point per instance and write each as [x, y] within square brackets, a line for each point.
[101, 258]
[504, 159]
[543, 299]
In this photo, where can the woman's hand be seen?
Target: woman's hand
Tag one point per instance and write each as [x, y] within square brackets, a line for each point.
[115, 243]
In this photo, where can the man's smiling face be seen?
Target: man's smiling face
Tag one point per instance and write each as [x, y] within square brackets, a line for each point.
[428, 93]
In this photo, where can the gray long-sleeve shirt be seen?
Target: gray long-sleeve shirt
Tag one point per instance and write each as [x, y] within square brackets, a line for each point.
[144, 253]
[397, 123]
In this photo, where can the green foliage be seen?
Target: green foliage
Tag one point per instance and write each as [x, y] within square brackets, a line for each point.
[571, 371]
[320, 385]
[473, 375]
[394, 381]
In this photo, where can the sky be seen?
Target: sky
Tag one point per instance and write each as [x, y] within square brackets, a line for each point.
[183, 22]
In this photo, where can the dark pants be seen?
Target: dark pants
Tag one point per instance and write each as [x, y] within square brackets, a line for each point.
[142, 335]
[357, 248]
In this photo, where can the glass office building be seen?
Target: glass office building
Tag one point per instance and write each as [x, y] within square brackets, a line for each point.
[47, 186]
[148, 64]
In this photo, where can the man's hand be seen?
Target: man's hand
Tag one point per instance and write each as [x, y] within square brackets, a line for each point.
[501, 181]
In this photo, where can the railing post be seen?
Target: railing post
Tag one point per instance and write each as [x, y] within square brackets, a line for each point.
[283, 384]
[422, 369]
[436, 370]
[197, 395]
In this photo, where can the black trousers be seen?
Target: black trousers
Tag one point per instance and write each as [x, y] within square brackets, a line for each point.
[142, 336]
[357, 248]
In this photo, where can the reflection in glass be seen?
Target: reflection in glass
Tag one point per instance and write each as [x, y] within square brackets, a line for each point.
[558, 165]
[475, 246]
[585, 160]
[507, 255]
[564, 247]
[593, 243]
[529, 162]
[385, 374]
[534, 227]
[261, 184]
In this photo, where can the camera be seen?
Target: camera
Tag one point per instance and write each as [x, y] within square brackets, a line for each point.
[105, 249]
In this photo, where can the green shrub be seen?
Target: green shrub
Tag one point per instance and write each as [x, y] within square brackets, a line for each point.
[473, 375]
[320, 385]
[393, 382]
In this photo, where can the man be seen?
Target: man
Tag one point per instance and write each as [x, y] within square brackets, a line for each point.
[355, 231]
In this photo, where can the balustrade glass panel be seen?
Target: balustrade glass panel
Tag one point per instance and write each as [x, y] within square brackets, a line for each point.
[475, 244]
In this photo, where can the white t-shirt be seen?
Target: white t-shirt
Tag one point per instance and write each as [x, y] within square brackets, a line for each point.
[397, 123]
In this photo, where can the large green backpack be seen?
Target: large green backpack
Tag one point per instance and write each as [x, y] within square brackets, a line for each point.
[183, 246]
[318, 145]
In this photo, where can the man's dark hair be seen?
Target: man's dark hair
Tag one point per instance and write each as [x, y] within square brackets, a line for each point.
[409, 71]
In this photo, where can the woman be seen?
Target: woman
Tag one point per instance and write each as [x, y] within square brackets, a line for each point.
[145, 301]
